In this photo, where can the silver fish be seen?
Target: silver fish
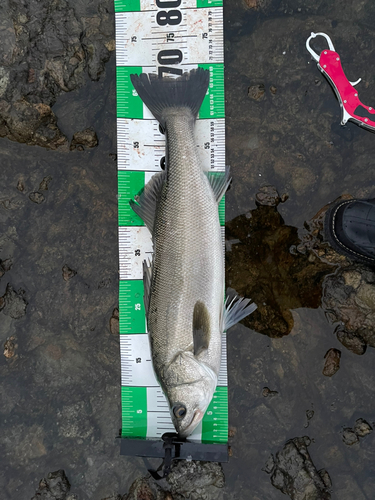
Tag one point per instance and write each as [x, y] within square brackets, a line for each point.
[184, 285]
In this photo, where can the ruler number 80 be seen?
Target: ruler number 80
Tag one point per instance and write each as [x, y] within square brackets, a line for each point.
[171, 18]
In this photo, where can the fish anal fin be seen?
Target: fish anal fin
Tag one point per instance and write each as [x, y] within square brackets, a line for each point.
[146, 201]
[236, 308]
[201, 328]
[219, 182]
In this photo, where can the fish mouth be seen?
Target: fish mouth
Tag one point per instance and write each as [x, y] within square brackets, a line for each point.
[197, 417]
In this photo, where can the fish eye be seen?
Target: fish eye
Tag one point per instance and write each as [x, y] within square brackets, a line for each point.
[161, 129]
[162, 163]
[179, 410]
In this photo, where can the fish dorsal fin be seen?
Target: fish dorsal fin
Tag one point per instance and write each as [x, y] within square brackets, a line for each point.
[146, 201]
[201, 328]
[236, 308]
[147, 275]
[219, 182]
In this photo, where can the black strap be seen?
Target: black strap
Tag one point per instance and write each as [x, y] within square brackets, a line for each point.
[171, 448]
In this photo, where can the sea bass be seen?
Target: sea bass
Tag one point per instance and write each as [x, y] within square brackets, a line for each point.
[184, 284]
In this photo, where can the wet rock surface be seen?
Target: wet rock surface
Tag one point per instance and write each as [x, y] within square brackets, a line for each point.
[361, 429]
[268, 196]
[68, 273]
[5, 265]
[13, 303]
[36, 197]
[267, 393]
[196, 480]
[293, 472]
[10, 347]
[114, 322]
[306, 272]
[55, 487]
[256, 92]
[48, 48]
[85, 139]
[43, 186]
[264, 264]
[349, 437]
[60, 392]
[349, 296]
[332, 362]
[187, 480]
[145, 488]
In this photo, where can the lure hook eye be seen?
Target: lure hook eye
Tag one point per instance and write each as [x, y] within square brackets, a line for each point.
[179, 410]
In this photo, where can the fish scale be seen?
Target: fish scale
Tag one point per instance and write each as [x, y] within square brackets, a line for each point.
[188, 262]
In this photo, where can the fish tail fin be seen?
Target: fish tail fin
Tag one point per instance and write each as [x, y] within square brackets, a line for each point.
[158, 94]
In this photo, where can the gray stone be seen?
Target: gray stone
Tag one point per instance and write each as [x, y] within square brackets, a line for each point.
[295, 474]
[349, 437]
[55, 487]
[352, 341]
[145, 488]
[68, 273]
[86, 139]
[362, 428]
[36, 197]
[332, 363]
[268, 196]
[196, 480]
[14, 303]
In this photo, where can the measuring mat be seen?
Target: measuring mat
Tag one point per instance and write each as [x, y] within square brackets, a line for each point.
[166, 38]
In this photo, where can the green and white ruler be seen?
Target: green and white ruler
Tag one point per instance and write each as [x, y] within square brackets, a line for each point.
[166, 37]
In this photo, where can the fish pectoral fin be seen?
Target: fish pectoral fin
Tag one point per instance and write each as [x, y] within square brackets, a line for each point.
[146, 201]
[219, 182]
[201, 328]
[236, 308]
[199, 342]
[147, 275]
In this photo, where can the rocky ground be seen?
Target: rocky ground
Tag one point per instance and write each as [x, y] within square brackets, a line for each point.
[48, 48]
[60, 372]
